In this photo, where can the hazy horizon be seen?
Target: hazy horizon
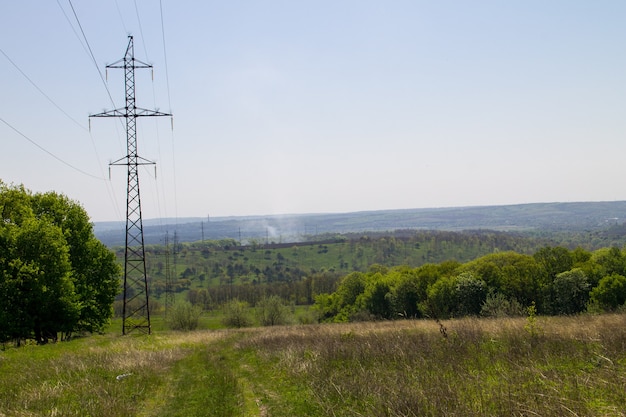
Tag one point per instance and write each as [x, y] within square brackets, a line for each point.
[261, 215]
[318, 106]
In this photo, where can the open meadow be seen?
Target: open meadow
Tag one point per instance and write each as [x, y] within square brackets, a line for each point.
[533, 366]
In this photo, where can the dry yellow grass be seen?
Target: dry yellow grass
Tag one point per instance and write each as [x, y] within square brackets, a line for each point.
[483, 367]
[488, 367]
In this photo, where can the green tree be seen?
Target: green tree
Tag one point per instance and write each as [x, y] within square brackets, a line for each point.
[55, 276]
[612, 260]
[610, 292]
[344, 299]
[471, 293]
[376, 298]
[515, 275]
[46, 288]
[570, 291]
[407, 295]
[554, 260]
[94, 268]
[428, 274]
[441, 302]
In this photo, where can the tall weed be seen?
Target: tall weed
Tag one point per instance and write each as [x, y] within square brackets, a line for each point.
[488, 367]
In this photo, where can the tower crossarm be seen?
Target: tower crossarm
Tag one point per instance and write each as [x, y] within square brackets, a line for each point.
[136, 161]
[123, 112]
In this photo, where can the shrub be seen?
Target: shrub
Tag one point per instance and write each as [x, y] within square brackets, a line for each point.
[497, 305]
[272, 311]
[184, 316]
[236, 314]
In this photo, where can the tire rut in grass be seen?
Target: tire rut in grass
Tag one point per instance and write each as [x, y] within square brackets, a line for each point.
[203, 385]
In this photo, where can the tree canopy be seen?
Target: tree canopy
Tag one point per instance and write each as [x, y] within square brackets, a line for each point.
[55, 275]
[555, 280]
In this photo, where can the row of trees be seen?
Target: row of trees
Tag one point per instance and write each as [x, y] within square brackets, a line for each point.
[555, 280]
[55, 276]
[301, 292]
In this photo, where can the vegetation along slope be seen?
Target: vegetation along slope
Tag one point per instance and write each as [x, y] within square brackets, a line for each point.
[401, 323]
[472, 367]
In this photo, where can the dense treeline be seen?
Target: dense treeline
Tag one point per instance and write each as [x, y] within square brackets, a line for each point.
[55, 276]
[554, 280]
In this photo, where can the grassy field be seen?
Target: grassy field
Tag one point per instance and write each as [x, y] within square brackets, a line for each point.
[566, 366]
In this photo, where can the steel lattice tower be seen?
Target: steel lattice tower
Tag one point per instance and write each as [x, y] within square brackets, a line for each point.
[169, 293]
[136, 312]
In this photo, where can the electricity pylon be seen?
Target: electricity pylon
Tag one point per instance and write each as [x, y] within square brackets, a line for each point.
[136, 312]
[169, 291]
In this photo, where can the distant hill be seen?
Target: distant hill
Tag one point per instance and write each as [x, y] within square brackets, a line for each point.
[592, 217]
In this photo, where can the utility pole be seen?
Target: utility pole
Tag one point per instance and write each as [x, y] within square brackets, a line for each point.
[136, 311]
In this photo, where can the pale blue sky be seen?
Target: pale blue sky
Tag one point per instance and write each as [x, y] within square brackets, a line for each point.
[320, 106]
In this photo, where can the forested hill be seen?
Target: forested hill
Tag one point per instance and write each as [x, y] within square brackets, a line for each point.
[597, 220]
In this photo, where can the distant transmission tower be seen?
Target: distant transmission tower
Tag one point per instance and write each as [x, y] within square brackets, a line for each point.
[169, 290]
[136, 312]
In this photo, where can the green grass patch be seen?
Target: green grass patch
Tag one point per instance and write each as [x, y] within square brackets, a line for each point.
[203, 385]
[494, 367]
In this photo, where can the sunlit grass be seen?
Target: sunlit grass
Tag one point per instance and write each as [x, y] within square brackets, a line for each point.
[575, 366]
[96, 376]
[486, 367]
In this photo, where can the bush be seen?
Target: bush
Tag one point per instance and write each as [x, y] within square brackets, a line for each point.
[184, 316]
[497, 305]
[610, 292]
[236, 314]
[310, 317]
[272, 311]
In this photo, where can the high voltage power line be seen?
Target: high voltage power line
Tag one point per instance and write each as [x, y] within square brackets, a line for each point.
[143, 39]
[54, 103]
[169, 102]
[41, 91]
[48, 152]
[93, 58]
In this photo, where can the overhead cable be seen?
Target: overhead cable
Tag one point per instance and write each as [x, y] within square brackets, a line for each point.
[41, 91]
[48, 152]
[93, 58]
[169, 102]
